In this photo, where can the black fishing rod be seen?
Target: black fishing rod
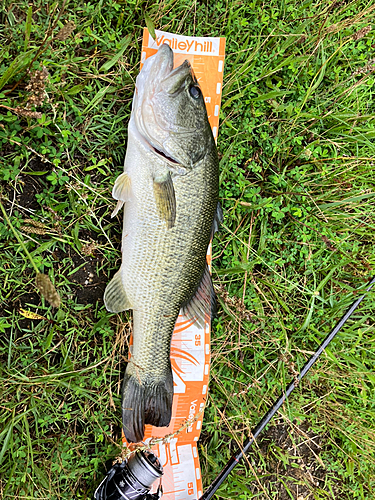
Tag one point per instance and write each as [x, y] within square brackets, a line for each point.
[132, 479]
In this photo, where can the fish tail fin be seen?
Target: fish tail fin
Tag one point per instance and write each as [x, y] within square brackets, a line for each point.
[148, 403]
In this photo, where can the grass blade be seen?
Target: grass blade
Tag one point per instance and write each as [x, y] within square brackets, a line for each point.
[123, 46]
[29, 19]
[6, 442]
[19, 64]
[150, 25]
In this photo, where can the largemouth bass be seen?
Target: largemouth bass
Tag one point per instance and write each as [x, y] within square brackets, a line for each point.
[170, 191]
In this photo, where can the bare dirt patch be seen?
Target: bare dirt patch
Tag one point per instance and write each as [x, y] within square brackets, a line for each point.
[294, 468]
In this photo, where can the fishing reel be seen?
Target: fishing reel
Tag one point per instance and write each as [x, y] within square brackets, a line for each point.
[132, 479]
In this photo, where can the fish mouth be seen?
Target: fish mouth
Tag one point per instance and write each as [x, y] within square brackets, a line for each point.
[158, 77]
[164, 156]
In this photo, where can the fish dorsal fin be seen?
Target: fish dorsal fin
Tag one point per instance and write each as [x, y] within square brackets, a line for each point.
[121, 191]
[165, 199]
[203, 302]
[115, 298]
[218, 219]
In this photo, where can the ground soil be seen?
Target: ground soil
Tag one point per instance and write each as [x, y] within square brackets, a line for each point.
[87, 284]
[301, 471]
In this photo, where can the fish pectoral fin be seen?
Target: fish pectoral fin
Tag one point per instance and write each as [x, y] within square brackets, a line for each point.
[118, 207]
[218, 219]
[115, 298]
[121, 191]
[165, 199]
[203, 302]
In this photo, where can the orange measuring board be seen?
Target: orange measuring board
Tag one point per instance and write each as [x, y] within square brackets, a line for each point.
[190, 346]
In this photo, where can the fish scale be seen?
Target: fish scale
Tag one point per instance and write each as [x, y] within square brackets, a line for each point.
[161, 258]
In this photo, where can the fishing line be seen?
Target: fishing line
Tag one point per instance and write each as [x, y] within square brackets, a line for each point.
[232, 462]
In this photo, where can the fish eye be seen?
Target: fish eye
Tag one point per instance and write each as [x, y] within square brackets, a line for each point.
[195, 91]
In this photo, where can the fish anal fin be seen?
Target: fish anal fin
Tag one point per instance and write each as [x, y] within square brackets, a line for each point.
[115, 298]
[165, 199]
[121, 191]
[203, 302]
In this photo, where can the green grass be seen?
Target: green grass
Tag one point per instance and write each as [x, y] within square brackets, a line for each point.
[296, 143]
